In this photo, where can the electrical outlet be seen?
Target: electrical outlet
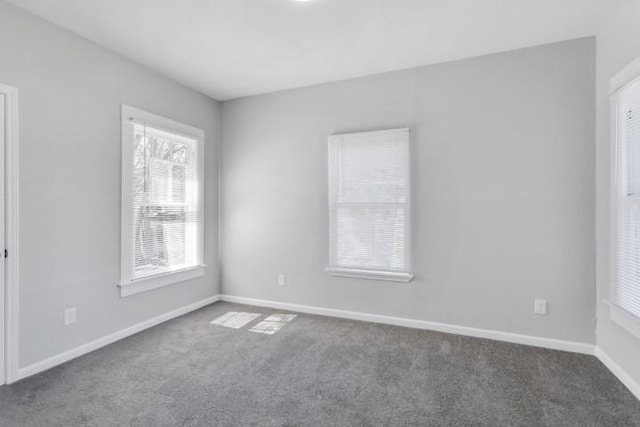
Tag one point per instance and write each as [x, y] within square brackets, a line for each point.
[540, 306]
[70, 316]
[281, 280]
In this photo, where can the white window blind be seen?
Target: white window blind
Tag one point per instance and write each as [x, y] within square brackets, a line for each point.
[162, 197]
[369, 192]
[626, 280]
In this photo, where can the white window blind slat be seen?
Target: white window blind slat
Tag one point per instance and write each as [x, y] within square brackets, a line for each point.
[626, 283]
[369, 201]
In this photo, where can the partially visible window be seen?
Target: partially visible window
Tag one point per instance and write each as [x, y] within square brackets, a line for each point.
[625, 293]
[369, 192]
[161, 201]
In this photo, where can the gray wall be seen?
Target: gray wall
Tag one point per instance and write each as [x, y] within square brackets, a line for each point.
[618, 45]
[70, 96]
[503, 171]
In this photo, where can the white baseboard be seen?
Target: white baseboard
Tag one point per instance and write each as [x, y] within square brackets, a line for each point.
[621, 374]
[58, 359]
[555, 344]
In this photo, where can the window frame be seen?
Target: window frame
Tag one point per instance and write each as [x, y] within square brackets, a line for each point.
[129, 286]
[363, 273]
[630, 74]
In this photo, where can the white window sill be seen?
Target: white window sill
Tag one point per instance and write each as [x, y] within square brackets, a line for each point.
[625, 319]
[370, 274]
[161, 280]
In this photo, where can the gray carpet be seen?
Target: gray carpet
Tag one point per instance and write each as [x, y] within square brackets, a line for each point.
[317, 371]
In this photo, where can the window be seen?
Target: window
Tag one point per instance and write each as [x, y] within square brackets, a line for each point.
[369, 197]
[162, 193]
[625, 292]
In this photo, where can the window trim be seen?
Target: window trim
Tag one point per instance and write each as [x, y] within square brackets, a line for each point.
[160, 280]
[356, 273]
[624, 319]
[370, 274]
[127, 285]
[620, 316]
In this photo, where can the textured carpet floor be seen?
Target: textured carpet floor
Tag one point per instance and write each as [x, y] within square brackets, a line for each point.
[317, 371]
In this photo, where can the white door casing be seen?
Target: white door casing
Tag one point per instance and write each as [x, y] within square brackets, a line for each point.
[8, 234]
[2, 228]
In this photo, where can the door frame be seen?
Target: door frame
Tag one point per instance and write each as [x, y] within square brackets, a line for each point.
[11, 329]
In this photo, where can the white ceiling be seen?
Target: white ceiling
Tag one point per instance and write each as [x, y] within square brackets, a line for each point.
[233, 48]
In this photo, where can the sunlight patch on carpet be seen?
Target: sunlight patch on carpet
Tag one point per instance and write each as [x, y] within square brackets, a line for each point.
[272, 324]
[235, 319]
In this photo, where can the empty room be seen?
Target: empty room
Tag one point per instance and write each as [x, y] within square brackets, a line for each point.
[320, 213]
